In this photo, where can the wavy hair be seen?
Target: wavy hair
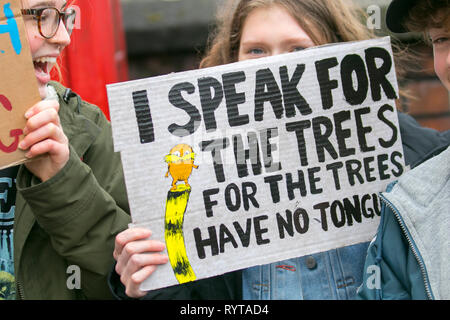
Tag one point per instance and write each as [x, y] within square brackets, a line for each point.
[428, 14]
[323, 20]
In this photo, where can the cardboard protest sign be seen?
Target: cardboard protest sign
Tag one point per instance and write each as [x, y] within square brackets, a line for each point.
[18, 85]
[262, 160]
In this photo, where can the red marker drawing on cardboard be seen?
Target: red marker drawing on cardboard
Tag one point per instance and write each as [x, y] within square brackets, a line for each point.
[15, 133]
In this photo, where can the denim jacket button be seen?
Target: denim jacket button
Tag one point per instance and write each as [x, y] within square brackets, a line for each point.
[311, 263]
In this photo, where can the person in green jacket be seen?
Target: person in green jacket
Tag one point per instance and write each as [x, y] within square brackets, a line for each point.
[410, 258]
[61, 210]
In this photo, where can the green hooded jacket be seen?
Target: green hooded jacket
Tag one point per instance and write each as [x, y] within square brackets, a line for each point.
[64, 228]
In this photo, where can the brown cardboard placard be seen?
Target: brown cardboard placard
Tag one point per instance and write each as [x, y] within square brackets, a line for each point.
[18, 85]
[262, 160]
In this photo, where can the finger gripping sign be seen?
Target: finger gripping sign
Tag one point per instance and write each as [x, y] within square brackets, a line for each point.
[261, 160]
[18, 87]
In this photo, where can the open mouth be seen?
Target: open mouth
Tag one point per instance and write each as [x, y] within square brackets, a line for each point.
[42, 67]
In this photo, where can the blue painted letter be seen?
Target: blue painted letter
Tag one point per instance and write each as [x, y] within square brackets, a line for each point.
[11, 28]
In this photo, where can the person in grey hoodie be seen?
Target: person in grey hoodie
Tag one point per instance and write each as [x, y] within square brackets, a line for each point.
[409, 258]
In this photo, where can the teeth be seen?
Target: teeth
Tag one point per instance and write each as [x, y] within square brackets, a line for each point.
[45, 60]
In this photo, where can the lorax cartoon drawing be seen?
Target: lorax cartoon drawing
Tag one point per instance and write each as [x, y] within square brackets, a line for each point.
[180, 161]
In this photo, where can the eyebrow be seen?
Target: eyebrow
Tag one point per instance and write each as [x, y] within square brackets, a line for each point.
[299, 41]
[47, 4]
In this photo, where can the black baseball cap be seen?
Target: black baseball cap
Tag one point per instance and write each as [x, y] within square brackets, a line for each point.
[396, 14]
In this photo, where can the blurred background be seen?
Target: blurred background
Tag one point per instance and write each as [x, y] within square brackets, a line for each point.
[120, 40]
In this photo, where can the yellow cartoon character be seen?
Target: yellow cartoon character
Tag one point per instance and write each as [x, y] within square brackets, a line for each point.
[180, 161]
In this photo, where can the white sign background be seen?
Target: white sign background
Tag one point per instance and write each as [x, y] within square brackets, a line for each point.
[326, 228]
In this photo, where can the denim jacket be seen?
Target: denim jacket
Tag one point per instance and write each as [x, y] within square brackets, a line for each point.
[335, 274]
[331, 275]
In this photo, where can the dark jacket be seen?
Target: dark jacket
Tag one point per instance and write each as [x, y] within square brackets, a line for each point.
[224, 287]
[419, 143]
[71, 219]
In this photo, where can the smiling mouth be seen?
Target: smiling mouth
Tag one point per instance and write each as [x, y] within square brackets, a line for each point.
[43, 66]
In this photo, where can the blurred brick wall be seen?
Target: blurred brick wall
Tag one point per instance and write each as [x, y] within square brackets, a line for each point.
[162, 63]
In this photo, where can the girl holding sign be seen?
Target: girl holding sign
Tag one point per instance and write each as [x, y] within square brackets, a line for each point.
[262, 28]
[71, 199]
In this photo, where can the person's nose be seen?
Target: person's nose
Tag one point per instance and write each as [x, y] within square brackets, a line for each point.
[448, 57]
[62, 37]
[276, 51]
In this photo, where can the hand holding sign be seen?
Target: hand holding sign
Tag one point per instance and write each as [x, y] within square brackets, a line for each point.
[137, 258]
[45, 137]
[18, 86]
